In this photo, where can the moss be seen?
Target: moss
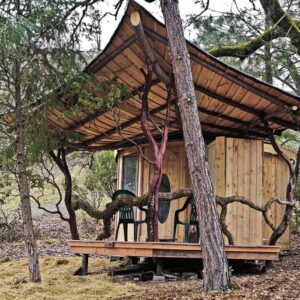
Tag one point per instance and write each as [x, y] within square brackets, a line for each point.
[245, 49]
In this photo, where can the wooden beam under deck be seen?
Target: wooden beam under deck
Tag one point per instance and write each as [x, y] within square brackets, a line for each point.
[170, 250]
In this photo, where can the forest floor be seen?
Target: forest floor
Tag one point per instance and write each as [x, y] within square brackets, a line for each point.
[58, 282]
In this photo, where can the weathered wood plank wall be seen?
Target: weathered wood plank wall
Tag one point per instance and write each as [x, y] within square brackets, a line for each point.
[238, 169]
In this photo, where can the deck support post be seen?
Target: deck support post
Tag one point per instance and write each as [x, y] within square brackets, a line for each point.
[159, 266]
[85, 264]
[83, 270]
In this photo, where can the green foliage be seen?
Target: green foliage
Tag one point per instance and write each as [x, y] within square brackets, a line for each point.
[10, 225]
[91, 98]
[100, 181]
[235, 28]
[8, 194]
[40, 55]
[103, 173]
[290, 139]
[12, 232]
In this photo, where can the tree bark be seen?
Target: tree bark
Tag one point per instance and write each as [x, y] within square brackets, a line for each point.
[268, 56]
[216, 275]
[32, 252]
[61, 162]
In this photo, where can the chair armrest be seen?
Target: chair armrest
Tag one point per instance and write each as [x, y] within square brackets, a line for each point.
[144, 209]
[185, 205]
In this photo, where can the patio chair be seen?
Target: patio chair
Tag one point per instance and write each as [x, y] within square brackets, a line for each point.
[193, 220]
[126, 215]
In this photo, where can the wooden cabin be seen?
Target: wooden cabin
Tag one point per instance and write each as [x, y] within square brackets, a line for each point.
[238, 167]
[233, 108]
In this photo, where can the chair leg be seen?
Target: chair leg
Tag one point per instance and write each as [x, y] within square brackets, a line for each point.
[125, 225]
[117, 232]
[135, 229]
[174, 231]
[187, 233]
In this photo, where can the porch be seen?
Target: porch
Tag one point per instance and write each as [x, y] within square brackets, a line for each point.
[169, 250]
[161, 252]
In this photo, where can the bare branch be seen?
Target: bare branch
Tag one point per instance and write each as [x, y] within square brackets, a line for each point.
[276, 147]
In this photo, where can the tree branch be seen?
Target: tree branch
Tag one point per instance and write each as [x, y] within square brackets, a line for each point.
[276, 147]
[247, 48]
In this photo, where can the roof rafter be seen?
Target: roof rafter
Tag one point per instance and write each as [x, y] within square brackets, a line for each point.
[242, 107]
[228, 118]
[220, 72]
[96, 66]
[122, 126]
[98, 114]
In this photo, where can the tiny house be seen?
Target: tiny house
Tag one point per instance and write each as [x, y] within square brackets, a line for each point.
[233, 109]
[238, 167]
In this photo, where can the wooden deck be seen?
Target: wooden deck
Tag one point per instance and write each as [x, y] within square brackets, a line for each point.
[170, 250]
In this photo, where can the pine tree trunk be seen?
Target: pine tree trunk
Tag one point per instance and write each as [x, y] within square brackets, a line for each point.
[215, 273]
[33, 262]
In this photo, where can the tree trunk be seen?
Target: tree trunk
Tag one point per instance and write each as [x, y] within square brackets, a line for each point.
[157, 152]
[33, 262]
[68, 202]
[268, 56]
[61, 162]
[152, 222]
[286, 219]
[216, 275]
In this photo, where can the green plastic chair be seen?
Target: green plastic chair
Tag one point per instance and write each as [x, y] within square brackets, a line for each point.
[193, 220]
[126, 215]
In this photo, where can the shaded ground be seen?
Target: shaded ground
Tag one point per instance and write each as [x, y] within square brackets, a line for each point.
[284, 283]
[58, 282]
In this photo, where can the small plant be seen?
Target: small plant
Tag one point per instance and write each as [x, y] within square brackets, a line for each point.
[90, 227]
[12, 231]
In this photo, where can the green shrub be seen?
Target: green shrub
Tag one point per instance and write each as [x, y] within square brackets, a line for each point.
[11, 232]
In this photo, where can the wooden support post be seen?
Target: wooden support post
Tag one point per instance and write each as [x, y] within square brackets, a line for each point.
[159, 266]
[83, 270]
[85, 264]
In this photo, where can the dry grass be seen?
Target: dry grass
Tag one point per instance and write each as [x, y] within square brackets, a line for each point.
[58, 281]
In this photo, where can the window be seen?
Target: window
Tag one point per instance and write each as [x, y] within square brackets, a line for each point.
[129, 177]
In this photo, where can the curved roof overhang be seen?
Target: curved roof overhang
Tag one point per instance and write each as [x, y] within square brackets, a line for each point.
[230, 102]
